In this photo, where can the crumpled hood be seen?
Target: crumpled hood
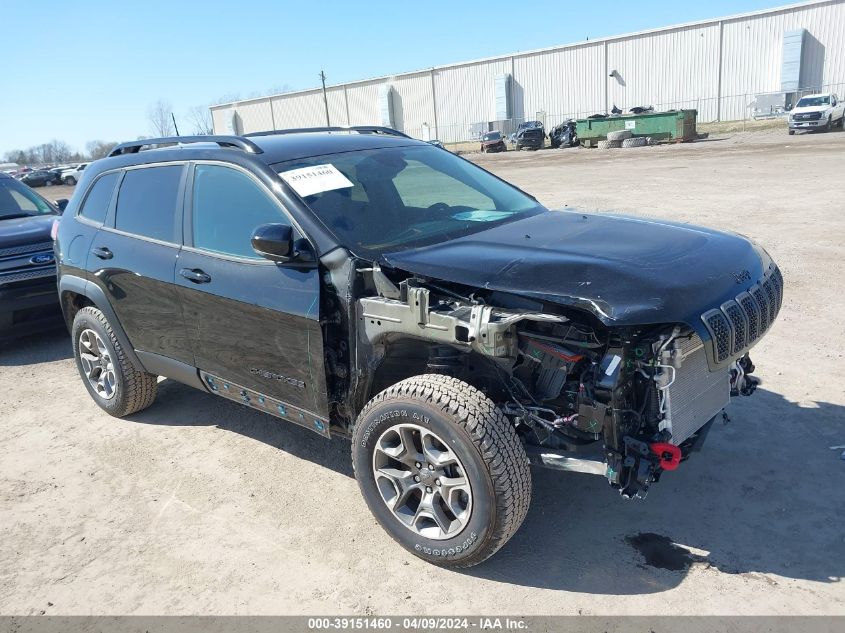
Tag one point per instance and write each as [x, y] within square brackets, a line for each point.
[625, 270]
[29, 230]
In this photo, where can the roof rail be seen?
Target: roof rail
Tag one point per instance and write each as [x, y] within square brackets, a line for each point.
[133, 147]
[361, 129]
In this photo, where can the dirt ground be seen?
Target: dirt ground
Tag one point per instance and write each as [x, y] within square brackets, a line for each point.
[55, 192]
[198, 505]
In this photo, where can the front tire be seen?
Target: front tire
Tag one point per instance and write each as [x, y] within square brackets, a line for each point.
[70, 180]
[441, 469]
[114, 382]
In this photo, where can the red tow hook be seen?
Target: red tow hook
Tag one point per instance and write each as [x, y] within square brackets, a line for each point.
[669, 454]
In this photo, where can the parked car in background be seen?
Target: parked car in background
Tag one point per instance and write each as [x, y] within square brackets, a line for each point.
[39, 178]
[493, 142]
[57, 172]
[29, 301]
[817, 112]
[530, 135]
[71, 176]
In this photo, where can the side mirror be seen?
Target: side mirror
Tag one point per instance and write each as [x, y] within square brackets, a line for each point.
[275, 242]
[61, 203]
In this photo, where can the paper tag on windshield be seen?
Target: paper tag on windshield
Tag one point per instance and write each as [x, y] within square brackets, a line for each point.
[307, 181]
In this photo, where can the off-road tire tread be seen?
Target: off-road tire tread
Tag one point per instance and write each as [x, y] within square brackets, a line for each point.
[139, 387]
[637, 141]
[494, 437]
[608, 144]
[619, 135]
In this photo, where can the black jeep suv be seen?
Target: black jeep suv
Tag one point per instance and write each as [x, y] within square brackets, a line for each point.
[361, 283]
[28, 300]
[530, 135]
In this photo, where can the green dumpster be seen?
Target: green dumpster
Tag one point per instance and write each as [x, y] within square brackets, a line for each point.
[678, 125]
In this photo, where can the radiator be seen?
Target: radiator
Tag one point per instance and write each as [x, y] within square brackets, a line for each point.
[696, 394]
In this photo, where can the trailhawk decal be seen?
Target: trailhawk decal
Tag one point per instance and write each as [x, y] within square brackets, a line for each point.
[267, 404]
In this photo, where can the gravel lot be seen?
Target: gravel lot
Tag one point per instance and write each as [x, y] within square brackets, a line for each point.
[200, 505]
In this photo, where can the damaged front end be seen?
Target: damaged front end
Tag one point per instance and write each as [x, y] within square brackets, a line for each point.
[626, 403]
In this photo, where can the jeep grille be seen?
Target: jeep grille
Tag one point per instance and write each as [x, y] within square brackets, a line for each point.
[739, 323]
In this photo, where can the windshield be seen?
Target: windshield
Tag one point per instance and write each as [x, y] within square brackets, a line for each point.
[397, 198]
[809, 102]
[491, 136]
[19, 201]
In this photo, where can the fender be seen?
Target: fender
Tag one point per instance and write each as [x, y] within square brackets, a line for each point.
[95, 294]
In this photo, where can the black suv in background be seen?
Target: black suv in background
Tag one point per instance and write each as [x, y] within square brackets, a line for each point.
[39, 178]
[28, 299]
[361, 283]
[530, 135]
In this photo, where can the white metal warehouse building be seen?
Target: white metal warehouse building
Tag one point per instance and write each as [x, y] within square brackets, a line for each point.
[719, 67]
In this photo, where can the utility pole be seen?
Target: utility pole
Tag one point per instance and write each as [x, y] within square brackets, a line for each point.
[325, 99]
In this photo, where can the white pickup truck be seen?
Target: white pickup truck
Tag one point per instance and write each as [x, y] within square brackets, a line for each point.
[71, 176]
[817, 112]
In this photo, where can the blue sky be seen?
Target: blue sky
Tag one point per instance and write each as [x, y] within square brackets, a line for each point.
[90, 69]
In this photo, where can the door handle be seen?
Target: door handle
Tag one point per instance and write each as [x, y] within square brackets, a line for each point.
[196, 275]
[102, 252]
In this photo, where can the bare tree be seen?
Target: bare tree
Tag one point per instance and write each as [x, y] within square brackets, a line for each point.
[200, 119]
[61, 151]
[161, 118]
[19, 156]
[98, 149]
[45, 154]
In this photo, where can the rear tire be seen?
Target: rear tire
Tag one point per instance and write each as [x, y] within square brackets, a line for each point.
[419, 434]
[114, 382]
[70, 180]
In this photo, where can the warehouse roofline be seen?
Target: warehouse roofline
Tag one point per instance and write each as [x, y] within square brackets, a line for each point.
[548, 49]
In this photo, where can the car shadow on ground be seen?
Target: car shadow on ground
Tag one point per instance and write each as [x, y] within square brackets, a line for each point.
[44, 347]
[180, 405]
[764, 499]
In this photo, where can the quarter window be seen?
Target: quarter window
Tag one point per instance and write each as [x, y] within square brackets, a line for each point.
[96, 205]
[146, 203]
[227, 207]
[24, 204]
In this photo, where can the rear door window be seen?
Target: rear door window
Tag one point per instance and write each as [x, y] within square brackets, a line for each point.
[96, 205]
[147, 202]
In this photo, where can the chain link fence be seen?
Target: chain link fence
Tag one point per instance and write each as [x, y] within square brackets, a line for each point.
[270, 113]
[744, 107]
